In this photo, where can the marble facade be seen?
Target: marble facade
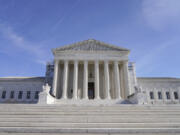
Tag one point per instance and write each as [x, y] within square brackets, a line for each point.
[91, 70]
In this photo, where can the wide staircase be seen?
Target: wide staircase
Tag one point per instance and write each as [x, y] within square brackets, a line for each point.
[118, 119]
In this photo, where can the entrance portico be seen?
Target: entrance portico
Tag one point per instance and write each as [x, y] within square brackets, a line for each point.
[91, 70]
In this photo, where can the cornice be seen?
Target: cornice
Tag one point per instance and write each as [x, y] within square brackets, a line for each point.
[160, 79]
[22, 79]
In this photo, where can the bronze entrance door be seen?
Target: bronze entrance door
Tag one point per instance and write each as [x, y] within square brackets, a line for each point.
[91, 90]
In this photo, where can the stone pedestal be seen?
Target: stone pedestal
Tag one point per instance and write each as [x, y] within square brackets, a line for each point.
[139, 97]
[43, 96]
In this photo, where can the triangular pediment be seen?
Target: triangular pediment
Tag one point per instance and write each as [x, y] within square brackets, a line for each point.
[90, 45]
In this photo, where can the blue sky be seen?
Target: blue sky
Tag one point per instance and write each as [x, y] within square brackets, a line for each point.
[149, 28]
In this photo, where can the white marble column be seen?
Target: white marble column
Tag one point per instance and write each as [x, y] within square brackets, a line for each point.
[55, 77]
[96, 67]
[65, 80]
[155, 91]
[85, 83]
[171, 91]
[164, 96]
[117, 80]
[107, 84]
[126, 78]
[179, 94]
[75, 81]
[148, 95]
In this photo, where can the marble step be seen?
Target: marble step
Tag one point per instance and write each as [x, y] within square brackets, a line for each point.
[88, 110]
[89, 113]
[114, 105]
[11, 108]
[155, 117]
[49, 116]
[89, 125]
[124, 113]
[92, 111]
[90, 131]
[74, 106]
[93, 120]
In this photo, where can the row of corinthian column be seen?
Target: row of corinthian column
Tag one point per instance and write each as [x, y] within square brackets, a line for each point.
[96, 80]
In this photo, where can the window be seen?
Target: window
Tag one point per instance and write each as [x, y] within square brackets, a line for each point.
[159, 95]
[37, 95]
[12, 95]
[28, 94]
[176, 95]
[20, 95]
[3, 94]
[167, 95]
[90, 75]
[151, 95]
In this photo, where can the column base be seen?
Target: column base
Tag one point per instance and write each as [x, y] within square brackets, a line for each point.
[74, 98]
[97, 98]
[64, 98]
[119, 98]
[108, 98]
[85, 98]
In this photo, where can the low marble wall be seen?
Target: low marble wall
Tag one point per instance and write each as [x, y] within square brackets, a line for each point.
[20, 89]
[161, 90]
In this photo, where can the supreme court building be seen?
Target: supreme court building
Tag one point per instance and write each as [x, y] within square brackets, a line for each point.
[90, 71]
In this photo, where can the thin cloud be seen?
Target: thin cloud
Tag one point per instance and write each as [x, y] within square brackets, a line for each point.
[43, 62]
[21, 43]
[62, 18]
[160, 14]
[144, 65]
